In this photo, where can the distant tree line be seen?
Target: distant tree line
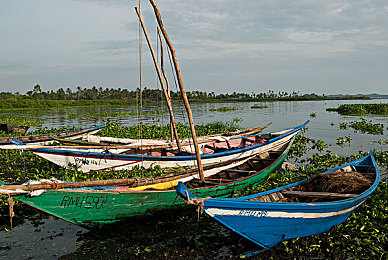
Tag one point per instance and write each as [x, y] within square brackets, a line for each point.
[99, 93]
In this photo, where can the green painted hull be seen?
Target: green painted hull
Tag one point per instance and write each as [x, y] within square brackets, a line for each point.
[95, 208]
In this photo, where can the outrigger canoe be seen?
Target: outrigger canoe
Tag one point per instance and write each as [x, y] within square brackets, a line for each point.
[8, 142]
[221, 151]
[88, 205]
[300, 209]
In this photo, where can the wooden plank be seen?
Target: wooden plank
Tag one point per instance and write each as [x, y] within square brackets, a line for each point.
[263, 159]
[239, 171]
[275, 152]
[328, 195]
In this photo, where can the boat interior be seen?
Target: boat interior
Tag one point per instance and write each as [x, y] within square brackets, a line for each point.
[344, 183]
[251, 167]
[208, 147]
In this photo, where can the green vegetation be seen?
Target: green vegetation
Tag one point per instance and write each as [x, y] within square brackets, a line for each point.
[225, 109]
[30, 103]
[364, 127]
[20, 120]
[98, 96]
[114, 114]
[362, 236]
[163, 131]
[256, 106]
[313, 115]
[343, 126]
[342, 140]
[361, 109]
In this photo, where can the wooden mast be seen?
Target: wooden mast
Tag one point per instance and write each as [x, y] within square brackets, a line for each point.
[180, 82]
[168, 100]
[165, 78]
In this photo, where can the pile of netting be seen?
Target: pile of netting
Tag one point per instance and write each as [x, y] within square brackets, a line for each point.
[337, 182]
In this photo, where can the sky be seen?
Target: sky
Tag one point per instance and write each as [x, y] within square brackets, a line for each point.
[322, 47]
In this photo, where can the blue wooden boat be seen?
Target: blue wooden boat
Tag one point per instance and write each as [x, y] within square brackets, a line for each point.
[294, 210]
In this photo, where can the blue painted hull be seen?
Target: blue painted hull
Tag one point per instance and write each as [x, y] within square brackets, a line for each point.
[268, 223]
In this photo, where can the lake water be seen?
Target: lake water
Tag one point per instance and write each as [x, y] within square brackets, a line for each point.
[324, 126]
[54, 238]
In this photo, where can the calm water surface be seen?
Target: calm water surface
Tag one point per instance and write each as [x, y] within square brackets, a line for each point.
[55, 238]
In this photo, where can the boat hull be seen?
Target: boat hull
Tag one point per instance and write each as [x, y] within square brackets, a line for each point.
[95, 208]
[268, 223]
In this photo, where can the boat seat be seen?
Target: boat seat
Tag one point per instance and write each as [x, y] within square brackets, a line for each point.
[272, 197]
[240, 171]
[263, 159]
[312, 194]
[275, 152]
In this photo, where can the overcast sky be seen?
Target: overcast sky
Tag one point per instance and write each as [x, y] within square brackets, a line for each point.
[326, 46]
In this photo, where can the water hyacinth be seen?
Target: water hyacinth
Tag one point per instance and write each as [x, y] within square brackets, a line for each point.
[363, 235]
[114, 114]
[361, 109]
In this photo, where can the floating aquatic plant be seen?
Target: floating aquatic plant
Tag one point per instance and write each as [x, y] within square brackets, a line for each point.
[361, 109]
[225, 109]
[256, 106]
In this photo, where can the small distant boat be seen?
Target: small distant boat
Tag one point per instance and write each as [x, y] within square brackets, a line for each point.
[96, 203]
[9, 142]
[297, 210]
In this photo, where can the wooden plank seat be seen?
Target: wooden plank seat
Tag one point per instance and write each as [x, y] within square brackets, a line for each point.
[204, 182]
[323, 195]
[274, 152]
[239, 171]
[272, 197]
[263, 159]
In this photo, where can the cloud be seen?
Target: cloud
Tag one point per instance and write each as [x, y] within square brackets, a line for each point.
[96, 40]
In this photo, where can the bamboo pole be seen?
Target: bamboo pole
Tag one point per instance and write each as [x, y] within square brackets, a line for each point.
[167, 97]
[165, 78]
[180, 82]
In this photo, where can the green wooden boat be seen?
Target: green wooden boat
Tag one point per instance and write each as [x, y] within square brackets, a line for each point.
[95, 206]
